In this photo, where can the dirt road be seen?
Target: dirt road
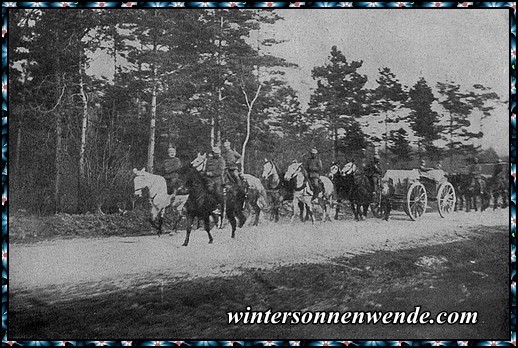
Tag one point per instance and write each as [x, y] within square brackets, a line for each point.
[122, 260]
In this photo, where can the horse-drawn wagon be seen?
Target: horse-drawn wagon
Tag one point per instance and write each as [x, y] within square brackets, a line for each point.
[415, 188]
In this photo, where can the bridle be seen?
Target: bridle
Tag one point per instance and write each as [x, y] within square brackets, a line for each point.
[270, 172]
[139, 190]
[199, 166]
[334, 170]
[293, 175]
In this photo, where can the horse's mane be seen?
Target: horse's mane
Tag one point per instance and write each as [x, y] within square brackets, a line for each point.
[193, 177]
[304, 171]
[279, 173]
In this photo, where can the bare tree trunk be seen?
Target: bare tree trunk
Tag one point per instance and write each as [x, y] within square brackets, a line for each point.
[152, 125]
[84, 124]
[59, 140]
[212, 131]
[57, 182]
[250, 105]
[152, 122]
[335, 142]
[139, 100]
[82, 149]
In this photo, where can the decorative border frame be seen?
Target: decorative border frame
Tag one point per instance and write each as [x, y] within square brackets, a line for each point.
[512, 170]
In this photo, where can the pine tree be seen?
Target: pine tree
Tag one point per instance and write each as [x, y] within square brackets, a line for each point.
[423, 120]
[388, 97]
[400, 145]
[340, 97]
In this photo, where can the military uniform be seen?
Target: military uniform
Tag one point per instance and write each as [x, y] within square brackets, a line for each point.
[214, 168]
[231, 158]
[476, 173]
[374, 173]
[171, 167]
[314, 168]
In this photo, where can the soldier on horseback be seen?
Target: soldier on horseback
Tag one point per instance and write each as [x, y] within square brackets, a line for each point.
[476, 173]
[374, 173]
[232, 161]
[214, 169]
[314, 167]
[171, 166]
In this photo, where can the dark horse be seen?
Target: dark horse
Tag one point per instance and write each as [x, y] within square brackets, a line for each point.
[356, 187]
[461, 185]
[360, 193]
[343, 184]
[473, 191]
[499, 187]
[202, 203]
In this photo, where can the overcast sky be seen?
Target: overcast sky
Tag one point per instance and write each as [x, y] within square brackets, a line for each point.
[465, 46]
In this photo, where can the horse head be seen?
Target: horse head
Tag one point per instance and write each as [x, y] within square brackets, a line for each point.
[334, 171]
[140, 181]
[268, 169]
[199, 162]
[293, 170]
[349, 168]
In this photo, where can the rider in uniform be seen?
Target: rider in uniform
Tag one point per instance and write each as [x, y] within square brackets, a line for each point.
[314, 167]
[374, 173]
[232, 160]
[476, 172]
[214, 169]
[423, 166]
[171, 166]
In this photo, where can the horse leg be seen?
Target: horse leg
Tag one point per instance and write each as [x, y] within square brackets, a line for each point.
[356, 211]
[241, 217]
[322, 205]
[301, 209]
[365, 210]
[232, 219]
[386, 207]
[337, 209]
[257, 211]
[310, 212]
[190, 220]
[175, 224]
[295, 210]
[160, 222]
[206, 222]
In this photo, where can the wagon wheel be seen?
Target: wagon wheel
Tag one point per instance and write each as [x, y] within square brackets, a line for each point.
[416, 200]
[446, 199]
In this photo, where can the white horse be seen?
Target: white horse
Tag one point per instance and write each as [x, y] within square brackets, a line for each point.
[158, 197]
[303, 193]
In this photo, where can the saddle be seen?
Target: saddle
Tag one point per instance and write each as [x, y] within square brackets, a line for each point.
[319, 183]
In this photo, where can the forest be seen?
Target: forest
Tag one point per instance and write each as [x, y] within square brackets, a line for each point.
[192, 78]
